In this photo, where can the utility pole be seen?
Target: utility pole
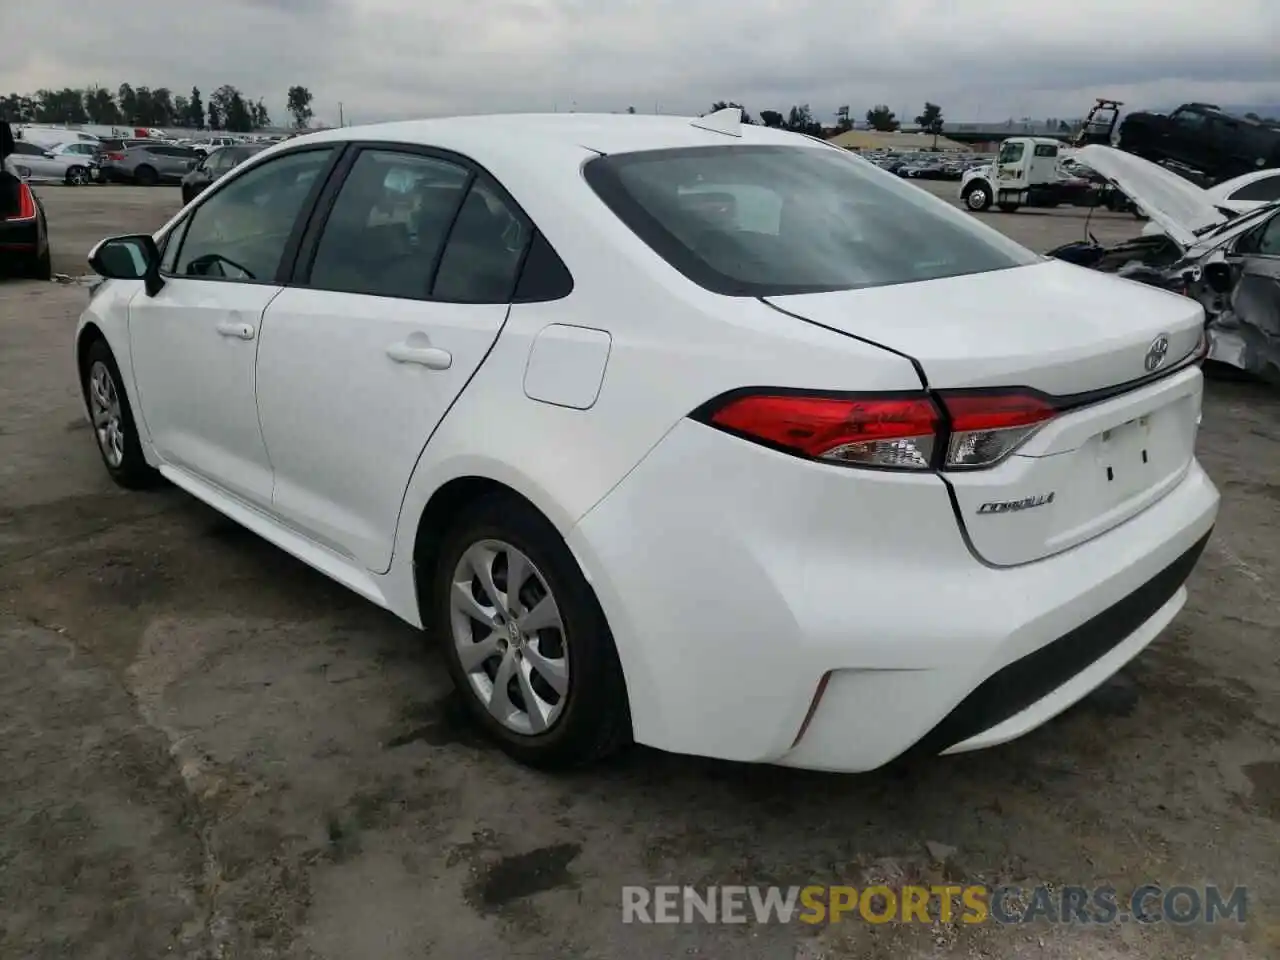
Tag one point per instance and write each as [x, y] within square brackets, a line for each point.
[340, 120]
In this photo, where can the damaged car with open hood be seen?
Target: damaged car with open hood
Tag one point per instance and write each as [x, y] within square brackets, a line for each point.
[1228, 262]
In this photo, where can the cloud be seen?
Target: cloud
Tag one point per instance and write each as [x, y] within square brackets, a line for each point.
[382, 59]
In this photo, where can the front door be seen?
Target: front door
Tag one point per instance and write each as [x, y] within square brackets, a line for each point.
[1255, 301]
[194, 344]
[364, 354]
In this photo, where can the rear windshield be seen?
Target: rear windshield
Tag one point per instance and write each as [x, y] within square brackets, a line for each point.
[772, 220]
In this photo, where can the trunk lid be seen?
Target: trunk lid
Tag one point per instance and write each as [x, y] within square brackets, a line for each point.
[1121, 440]
[1176, 204]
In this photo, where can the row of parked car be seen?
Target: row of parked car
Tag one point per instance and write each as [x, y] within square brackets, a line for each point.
[927, 166]
[145, 162]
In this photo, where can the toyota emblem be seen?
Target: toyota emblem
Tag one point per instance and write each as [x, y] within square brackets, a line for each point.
[1156, 353]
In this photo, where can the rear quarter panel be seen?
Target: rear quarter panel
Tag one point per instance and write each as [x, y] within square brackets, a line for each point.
[674, 346]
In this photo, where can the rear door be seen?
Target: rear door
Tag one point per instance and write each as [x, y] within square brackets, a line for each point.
[399, 294]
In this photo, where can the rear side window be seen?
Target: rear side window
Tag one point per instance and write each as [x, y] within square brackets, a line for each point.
[482, 257]
[388, 225]
[1266, 189]
[774, 220]
[1046, 150]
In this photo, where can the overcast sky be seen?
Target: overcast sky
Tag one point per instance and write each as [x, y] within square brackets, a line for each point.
[384, 59]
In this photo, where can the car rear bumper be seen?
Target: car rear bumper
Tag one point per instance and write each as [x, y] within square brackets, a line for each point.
[741, 583]
[19, 239]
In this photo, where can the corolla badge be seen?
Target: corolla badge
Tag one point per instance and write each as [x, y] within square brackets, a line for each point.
[1156, 353]
[1016, 506]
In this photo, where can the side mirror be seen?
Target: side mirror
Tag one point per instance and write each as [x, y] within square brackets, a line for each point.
[1218, 277]
[133, 257]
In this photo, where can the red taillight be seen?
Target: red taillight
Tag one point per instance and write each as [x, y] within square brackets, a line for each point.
[114, 156]
[987, 427]
[896, 432]
[26, 204]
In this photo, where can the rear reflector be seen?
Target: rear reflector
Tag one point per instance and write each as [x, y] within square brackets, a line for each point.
[986, 428]
[896, 432]
[26, 204]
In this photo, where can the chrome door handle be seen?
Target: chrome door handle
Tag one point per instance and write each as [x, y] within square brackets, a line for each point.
[241, 331]
[433, 358]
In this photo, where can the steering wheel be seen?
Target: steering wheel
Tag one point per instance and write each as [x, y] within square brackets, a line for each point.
[201, 265]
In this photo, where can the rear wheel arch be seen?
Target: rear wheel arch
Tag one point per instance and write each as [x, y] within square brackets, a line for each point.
[433, 524]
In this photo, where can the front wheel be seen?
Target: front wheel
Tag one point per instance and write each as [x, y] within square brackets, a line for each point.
[526, 642]
[112, 419]
[146, 176]
[77, 176]
[977, 198]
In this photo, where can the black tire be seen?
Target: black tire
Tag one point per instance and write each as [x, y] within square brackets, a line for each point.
[146, 176]
[41, 267]
[77, 176]
[595, 720]
[977, 197]
[133, 472]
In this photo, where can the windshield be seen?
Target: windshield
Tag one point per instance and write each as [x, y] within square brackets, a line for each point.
[773, 220]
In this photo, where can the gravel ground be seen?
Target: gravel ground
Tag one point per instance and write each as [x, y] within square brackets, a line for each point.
[212, 751]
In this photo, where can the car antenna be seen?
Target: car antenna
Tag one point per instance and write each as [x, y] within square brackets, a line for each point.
[727, 121]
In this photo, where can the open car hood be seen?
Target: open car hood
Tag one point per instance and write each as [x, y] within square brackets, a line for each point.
[6, 140]
[1177, 205]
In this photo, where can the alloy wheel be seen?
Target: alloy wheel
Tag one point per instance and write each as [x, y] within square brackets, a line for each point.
[78, 177]
[104, 407]
[509, 636]
[977, 199]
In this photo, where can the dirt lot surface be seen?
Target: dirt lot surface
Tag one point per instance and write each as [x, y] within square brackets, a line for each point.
[211, 751]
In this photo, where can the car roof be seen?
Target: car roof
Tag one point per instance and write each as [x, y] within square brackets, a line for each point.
[601, 133]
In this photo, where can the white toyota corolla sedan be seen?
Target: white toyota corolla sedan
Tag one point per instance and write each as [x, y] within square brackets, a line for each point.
[709, 436]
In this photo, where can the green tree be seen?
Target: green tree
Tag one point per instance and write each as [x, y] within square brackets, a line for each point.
[195, 109]
[181, 110]
[631, 109]
[800, 120]
[162, 107]
[843, 123]
[772, 118]
[258, 114]
[61, 106]
[881, 118]
[931, 121]
[128, 103]
[100, 105]
[298, 105]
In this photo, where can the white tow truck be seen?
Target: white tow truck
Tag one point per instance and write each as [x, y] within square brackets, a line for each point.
[1028, 172]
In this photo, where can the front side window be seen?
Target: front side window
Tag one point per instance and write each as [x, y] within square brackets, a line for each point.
[240, 232]
[1010, 152]
[388, 225]
[1264, 241]
[773, 220]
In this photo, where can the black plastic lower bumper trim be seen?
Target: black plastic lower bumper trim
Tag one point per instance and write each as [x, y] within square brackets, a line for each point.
[1018, 685]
